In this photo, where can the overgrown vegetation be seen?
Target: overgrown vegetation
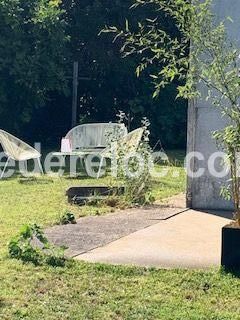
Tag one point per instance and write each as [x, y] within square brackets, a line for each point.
[131, 163]
[139, 188]
[22, 247]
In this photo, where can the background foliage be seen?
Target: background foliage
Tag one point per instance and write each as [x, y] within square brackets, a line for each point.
[40, 39]
[33, 51]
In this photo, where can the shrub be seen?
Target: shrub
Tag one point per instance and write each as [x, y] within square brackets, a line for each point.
[68, 218]
[138, 188]
[137, 185]
[22, 247]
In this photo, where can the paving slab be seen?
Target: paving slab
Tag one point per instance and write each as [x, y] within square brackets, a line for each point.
[191, 239]
[97, 231]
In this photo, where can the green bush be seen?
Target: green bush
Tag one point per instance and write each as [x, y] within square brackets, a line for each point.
[21, 247]
[68, 218]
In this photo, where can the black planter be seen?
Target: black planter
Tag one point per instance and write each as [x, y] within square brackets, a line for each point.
[231, 248]
[79, 195]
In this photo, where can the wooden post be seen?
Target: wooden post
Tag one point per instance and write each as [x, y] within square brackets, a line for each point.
[75, 94]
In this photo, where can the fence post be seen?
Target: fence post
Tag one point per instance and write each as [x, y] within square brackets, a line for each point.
[75, 93]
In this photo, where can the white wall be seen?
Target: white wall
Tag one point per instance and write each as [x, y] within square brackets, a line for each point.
[204, 192]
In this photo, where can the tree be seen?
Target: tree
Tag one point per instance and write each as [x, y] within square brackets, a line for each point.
[213, 61]
[33, 52]
[39, 41]
[113, 84]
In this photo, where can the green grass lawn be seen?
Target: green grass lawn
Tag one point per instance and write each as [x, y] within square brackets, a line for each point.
[86, 291]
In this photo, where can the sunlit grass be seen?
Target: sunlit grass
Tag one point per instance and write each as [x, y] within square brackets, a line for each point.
[86, 291]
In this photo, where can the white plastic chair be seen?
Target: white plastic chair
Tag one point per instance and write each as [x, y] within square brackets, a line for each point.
[17, 150]
[93, 135]
[128, 145]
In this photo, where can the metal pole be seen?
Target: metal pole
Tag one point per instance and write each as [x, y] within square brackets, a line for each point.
[75, 93]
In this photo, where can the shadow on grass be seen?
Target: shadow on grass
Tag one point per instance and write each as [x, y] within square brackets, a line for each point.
[34, 180]
[3, 303]
[230, 272]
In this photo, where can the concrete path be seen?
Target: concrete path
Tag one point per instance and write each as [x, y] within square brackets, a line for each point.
[96, 231]
[191, 239]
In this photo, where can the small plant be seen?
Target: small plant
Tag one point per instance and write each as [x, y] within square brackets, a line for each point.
[22, 248]
[94, 200]
[136, 178]
[55, 257]
[68, 218]
[138, 189]
[97, 213]
[229, 139]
